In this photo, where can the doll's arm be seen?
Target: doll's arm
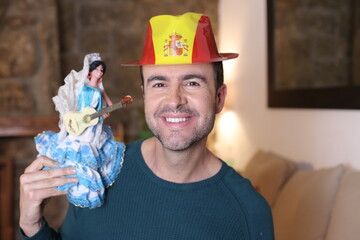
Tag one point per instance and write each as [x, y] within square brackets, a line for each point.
[108, 102]
[107, 99]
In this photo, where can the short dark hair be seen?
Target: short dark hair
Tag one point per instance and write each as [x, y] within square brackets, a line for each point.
[218, 70]
[95, 64]
[219, 73]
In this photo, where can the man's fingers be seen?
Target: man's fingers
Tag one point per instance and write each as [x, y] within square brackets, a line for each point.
[48, 183]
[40, 194]
[46, 174]
[39, 163]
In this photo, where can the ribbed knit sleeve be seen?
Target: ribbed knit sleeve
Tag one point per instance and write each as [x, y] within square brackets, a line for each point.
[45, 232]
[257, 212]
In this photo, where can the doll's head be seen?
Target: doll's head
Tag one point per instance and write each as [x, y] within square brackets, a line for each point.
[95, 64]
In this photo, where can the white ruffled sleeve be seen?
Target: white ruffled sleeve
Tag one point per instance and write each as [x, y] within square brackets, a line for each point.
[66, 99]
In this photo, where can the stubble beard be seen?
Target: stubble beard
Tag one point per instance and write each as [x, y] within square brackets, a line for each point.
[177, 141]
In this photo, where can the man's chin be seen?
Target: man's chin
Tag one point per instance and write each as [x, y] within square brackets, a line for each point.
[177, 144]
[174, 145]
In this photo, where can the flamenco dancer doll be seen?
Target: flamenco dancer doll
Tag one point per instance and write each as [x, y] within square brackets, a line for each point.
[94, 153]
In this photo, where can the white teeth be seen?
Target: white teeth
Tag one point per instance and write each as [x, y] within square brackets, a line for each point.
[176, 120]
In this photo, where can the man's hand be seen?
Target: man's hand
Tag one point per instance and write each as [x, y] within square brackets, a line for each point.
[36, 185]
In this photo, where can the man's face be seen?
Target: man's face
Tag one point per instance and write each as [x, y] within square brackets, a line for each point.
[181, 102]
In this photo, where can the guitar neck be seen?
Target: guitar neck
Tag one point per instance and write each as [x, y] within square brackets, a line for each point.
[108, 109]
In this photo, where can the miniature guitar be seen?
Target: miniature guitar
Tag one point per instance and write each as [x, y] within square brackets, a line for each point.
[77, 121]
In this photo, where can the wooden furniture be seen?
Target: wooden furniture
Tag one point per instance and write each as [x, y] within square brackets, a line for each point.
[16, 127]
[26, 126]
[6, 198]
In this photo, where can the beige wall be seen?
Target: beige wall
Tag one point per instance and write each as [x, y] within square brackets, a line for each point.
[319, 137]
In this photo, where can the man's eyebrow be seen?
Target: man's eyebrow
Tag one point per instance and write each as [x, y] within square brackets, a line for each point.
[156, 77]
[193, 76]
[185, 77]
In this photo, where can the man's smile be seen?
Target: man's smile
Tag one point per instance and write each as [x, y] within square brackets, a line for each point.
[176, 120]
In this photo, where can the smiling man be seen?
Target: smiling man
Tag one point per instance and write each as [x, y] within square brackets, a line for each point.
[180, 106]
[170, 186]
[180, 102]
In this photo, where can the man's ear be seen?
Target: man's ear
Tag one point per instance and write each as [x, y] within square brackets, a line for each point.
[220, 98]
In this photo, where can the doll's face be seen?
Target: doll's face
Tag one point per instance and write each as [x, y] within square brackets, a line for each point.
[98, 72]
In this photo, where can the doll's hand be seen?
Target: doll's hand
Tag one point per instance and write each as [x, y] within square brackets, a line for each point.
[106, 115]
[36, 185]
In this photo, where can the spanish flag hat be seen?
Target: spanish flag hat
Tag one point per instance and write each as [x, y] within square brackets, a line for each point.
[183, 39]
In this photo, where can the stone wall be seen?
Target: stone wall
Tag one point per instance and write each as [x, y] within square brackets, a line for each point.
[29, 72]
[116, 29]
[42, 40]
[29, 62]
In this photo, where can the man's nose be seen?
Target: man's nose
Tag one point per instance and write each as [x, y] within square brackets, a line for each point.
[176, 96]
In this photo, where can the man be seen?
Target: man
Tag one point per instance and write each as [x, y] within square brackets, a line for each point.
[171, 186]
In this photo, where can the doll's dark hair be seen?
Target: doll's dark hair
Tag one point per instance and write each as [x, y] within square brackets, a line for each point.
[95, 64]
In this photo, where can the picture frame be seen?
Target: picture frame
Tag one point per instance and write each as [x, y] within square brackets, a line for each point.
[345, 95]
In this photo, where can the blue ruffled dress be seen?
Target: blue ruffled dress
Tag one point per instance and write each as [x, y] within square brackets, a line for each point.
[95, 154]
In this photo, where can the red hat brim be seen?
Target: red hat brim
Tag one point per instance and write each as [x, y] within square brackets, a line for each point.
[222, 57]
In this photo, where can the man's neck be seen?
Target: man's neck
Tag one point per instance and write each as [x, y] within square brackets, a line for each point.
[191, 165]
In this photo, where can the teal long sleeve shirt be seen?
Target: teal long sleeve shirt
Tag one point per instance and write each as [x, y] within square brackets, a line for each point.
[140, 205]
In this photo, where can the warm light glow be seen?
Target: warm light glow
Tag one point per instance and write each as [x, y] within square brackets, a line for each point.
[229, 71]
[228, 123]
[227, 134]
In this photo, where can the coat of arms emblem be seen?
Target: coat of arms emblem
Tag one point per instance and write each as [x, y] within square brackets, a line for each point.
[175, 45]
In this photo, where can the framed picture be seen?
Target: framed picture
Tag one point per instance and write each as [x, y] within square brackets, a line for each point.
[313, 54]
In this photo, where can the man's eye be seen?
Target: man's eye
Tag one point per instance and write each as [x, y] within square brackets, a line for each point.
[157, 85]
[192, 84]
